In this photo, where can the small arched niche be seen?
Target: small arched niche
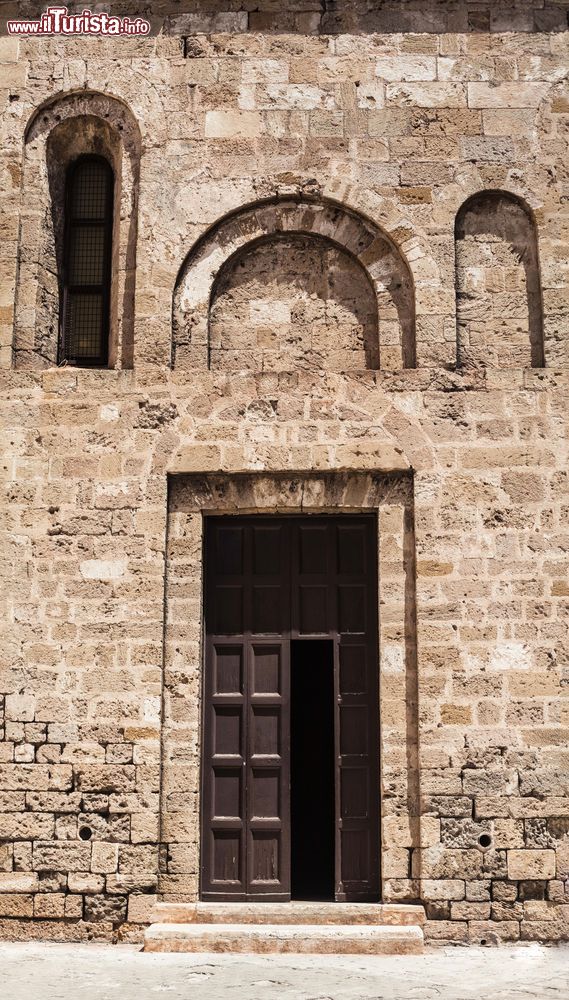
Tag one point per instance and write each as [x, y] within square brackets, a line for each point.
[288, 284]
[59, 134]
[293, 300]
[498, 285]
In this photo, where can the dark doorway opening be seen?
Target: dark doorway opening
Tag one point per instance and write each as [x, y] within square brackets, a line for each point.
[312, 801]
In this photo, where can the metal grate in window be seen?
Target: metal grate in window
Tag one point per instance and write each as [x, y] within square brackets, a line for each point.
[90, 190]
[86, 255]
[83, 325]
[88, 236]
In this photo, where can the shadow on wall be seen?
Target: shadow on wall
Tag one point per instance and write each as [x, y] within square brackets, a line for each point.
[360, 16]
[498, 286]
[335, 17]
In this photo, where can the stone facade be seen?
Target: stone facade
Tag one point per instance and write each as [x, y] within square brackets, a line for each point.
[340, 283]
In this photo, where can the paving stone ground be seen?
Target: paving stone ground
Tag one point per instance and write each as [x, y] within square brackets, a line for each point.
[104, 972]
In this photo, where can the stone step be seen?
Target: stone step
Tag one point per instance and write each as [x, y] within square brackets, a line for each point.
[338, 939]
[384, 914]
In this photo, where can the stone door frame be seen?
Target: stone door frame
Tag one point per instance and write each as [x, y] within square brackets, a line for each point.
[193, 496]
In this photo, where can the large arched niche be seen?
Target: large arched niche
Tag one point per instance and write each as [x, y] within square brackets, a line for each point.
[498, 285]
[287, 284]
[59, 131]
[293, 300]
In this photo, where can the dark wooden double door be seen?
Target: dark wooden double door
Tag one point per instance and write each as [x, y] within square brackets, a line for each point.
[290, 770]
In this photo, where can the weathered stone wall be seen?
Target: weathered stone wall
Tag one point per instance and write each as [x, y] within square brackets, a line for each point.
[372, 128]
[295, 302]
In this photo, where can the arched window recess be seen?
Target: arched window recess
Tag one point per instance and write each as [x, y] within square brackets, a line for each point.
[76, 286]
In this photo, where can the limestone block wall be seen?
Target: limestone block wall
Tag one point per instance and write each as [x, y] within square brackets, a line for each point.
[296, 302]
[357, 135]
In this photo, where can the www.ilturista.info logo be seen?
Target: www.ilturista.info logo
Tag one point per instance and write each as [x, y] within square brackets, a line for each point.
[58, 21]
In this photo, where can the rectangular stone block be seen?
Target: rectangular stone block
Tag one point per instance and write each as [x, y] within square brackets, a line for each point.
[179, 827]
[16, 905]
[144, 827]
[491, 931]
[435, 889]
[39, 777]
[73, 907]
[85, 882]
[49, 905]
[64, 856]
[105, 858]
[107, 778]
[562, 860]
[406, 68]
[18, 882]
[137, 860]
[9, 49]
[27, 826]
[20, 708]
[226, 124]
[470, 911]
[12, 802]
[506, 95]
[13, 75]
[446, 930]
[140, 907]
[139, 882]
[528, 864]
[478, 891]
[426, 95]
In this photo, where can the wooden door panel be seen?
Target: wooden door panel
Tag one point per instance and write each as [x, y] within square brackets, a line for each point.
[352, 617]
[353, 670]
[358, 710]
[313, 549]
[226, 850]
[225, 698]
[266, 614]
[354, 739]
[268, 582]
[352, 549]
[266, 794]
[266, 674]
[227, 793]
[265, 864]
[358, 771]
[265, 731]
[228, 670]
[267, 549]
[268, 861]
[228, 610]
[354, 792]
[227, 549]
[312, 597]
[223, 842]
[313, 609]
[356, 862]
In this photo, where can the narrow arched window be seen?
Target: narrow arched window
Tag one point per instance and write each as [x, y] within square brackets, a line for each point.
[87, 262]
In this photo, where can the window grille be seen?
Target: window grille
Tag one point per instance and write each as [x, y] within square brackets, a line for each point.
[87, 262]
